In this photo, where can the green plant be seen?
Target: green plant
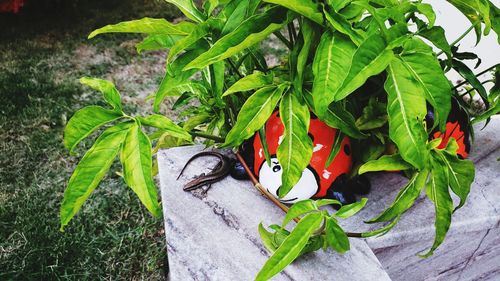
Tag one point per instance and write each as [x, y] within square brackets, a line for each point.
[371, 75]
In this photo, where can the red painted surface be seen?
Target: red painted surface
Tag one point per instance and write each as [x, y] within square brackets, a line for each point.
[453, 130]
[323, 140]
[10, 6]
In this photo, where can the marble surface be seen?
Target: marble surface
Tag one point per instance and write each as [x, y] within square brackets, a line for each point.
[481, 211]
[465, 256]
[214, 236]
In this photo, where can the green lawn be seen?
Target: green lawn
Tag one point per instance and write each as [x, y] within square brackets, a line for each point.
[42, 55]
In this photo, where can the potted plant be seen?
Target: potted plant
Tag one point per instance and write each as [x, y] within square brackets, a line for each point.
[372, 70]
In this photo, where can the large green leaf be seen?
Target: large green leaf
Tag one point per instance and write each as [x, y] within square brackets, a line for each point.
[91, 169]
[145, 25]
[330, 67]
[371, 58]
[189, 9]
[405, 198]
[137, 168]
[338, 117]
[250, 82]
[340, 24]
[350, 210]
[437, 36]
[254, 114]
[392, 162]
[461, 173]
[309, 37]
[298, 209]
[84, 122]
[295, 151]
[335, 236]
[406, 108]
[176, 81]
[308, 8]
[340, 68]
[438, 192]
[475, 11]
[251, 31]
[267, 238]
[107, 88]
[427, 73]
[198, 33]
[471, 78]
[166, 125]
[291, 247]
[154, 42]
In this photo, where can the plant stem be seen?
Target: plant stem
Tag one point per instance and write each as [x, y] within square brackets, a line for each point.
[235, 69]
[283, 39]
[207, 136]
[461, 36]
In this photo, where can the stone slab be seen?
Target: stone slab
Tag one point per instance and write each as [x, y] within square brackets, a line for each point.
[214, 236]
[480, 213]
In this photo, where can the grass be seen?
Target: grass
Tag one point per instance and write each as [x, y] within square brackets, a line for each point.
[41, 58]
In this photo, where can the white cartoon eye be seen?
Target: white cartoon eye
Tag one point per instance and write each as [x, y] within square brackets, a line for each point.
[270, 178]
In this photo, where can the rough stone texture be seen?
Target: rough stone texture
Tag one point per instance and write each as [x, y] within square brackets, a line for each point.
[214, 236]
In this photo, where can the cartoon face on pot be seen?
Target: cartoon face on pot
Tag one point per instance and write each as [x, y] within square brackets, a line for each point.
[316, 179]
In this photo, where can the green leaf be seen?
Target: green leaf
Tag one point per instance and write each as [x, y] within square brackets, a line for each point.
[250, 82]
[267, 238]
[156, 42]
[381, 231]
[84, 122]
[392, 162]
[426, 71]
[91, 169]
[166, 125]
[307, 8]
[461, 173]
[406, 108]
[374, 115]
[177, 88]
[339, 137]
[265, 147]
[188, 41]
[405, 198]
[330, 67]
[437, 37]
[475, 11]
[291, 247]
[338, 117]
[188, 9]
[324, 202]
[176, 81]
[137, 168]
[251, 31]
[309, 36]
[145, 25]
[298, 209]
[240, 13]
[340, 24]
[347, 68]
[295, 151]
[254, 114]
[371, 58]
[438, 192]
[107, 88]
[350, 210]
[335, 236]
[471, 78]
